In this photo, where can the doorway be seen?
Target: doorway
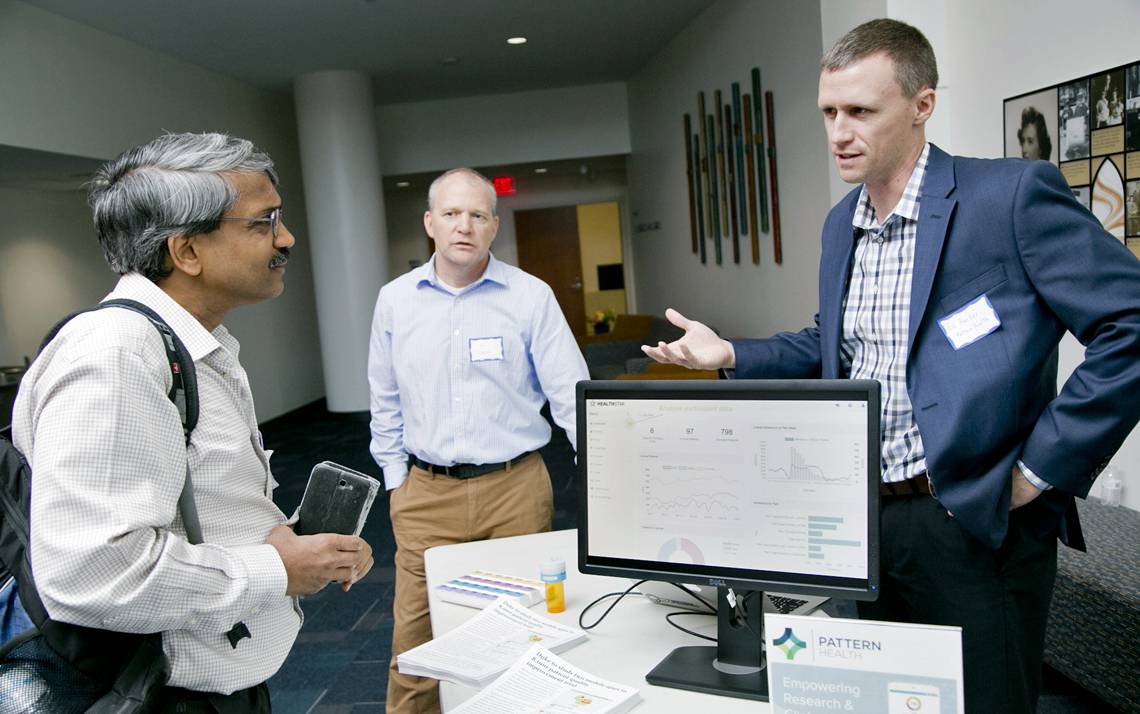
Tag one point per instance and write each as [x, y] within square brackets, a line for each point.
[577, 251]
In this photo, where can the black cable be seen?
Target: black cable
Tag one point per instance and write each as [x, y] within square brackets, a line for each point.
[668, 616]
[619, 596]
[669, 619]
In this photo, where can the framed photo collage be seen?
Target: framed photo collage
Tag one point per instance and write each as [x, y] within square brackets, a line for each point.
[1090, 129]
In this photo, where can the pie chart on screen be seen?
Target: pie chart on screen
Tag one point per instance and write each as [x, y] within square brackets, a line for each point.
[680, 550]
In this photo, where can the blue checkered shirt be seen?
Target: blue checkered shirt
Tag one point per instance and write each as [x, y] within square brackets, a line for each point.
[876, 313]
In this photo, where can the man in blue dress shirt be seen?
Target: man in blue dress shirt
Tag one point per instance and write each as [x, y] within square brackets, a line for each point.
[465, 351]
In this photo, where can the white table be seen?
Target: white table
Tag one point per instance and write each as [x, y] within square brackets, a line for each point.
[632, 639]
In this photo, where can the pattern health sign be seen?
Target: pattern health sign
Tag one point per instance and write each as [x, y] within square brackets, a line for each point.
[824, 665]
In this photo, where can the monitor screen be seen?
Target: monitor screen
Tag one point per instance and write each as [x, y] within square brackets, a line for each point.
[767, 485]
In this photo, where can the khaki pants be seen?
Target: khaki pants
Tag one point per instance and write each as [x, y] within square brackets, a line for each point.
[429, 510]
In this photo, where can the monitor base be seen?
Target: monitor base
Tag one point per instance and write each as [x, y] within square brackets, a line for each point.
[694, 668]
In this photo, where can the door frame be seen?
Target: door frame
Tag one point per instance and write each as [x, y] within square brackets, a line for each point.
[509, 204]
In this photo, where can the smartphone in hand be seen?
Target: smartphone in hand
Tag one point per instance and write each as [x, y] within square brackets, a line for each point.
[337, 500]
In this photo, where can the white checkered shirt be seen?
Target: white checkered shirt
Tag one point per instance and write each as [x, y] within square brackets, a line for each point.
[108, 462]
[876, 313]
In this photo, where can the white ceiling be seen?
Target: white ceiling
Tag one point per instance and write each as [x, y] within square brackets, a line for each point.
[405, 45]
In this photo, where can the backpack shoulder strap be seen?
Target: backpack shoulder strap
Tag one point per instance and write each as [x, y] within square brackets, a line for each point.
[183, 392]
[184, 389]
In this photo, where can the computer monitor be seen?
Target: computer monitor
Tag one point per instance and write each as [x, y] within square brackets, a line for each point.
[747, 485]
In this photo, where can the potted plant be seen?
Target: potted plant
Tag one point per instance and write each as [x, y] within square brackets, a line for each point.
[604, 321]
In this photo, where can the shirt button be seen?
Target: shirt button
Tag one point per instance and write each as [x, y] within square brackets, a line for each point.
[457, 332]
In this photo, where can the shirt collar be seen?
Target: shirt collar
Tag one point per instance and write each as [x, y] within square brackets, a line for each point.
[495, 272]
[907, 206]
[198, 340]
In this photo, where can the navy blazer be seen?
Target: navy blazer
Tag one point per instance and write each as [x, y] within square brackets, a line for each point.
[1011, 230]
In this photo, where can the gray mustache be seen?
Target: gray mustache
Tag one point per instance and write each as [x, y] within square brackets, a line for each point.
[281, 257]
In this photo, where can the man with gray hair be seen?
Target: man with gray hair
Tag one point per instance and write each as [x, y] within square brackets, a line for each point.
[192, 223]
[949, 280]
[465, 351]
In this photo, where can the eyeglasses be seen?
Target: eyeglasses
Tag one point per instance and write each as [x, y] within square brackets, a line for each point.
[273, 219]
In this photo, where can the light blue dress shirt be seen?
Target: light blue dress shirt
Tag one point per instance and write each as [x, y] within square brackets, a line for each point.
[460, 376]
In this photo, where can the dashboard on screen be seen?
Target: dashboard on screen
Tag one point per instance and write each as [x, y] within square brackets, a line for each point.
[763, 485]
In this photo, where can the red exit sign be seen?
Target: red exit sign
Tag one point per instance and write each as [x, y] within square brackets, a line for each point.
[504, 185]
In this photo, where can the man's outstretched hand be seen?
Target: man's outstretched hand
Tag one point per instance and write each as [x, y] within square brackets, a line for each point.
[698, 348]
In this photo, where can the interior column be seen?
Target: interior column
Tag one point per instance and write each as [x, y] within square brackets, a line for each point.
[336, 126]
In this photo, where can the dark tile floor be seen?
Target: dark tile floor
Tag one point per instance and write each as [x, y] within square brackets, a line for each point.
[339, 664]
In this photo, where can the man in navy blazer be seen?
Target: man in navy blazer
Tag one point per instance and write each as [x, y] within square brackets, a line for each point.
[951, 281]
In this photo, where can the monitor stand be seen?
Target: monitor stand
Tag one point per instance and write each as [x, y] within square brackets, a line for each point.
[734, 667]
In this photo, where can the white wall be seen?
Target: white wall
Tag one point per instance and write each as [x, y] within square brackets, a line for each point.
[1023, 45]
[70, 89]
[499, 129]
[47, 250]
[404, 212]
[721, 46]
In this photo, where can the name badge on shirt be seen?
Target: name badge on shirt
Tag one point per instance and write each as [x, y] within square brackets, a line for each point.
[486, 349]
[971, 323]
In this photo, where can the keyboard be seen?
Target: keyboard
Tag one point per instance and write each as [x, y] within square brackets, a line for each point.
[784, 605]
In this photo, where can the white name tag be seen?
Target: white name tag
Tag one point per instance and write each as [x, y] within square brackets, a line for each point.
[970, 323]
[485, 349]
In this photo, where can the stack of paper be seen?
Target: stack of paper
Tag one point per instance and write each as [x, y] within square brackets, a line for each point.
[543, 683]
[486, 645]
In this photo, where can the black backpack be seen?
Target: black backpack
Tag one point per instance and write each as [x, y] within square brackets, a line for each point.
[127, 665]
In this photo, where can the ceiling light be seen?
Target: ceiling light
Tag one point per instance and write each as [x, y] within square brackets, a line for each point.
[403, 184]
[540, 170]
[516, 40]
